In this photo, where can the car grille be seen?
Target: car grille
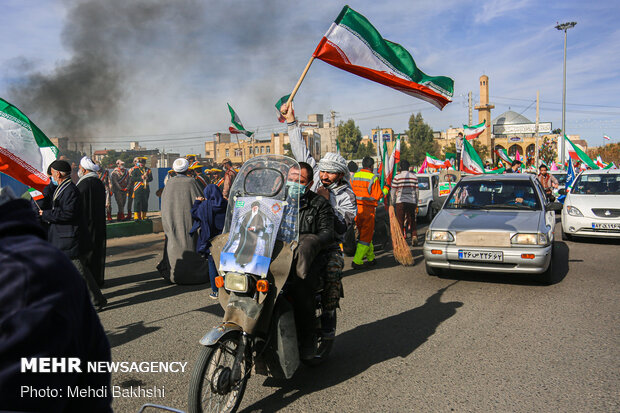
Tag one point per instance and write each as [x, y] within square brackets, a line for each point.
[482, 239]
[606, 212]
[484, 264]
[615, 231]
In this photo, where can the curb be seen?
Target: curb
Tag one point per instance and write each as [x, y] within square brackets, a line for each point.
[132, 228]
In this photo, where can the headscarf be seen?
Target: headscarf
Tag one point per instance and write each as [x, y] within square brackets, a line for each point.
[209, 215]
[333, 163]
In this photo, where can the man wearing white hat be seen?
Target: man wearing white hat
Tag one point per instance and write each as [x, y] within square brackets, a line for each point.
[93, 201]
[181, 263]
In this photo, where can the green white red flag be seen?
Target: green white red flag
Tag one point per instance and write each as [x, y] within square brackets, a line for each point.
[575, 153]
[470, 160]
[393, 161]
[432, 162]
[353, 44]
[472, 132]
[237, 127]
[25, 151]
[36, 195]
[503, 155]
[279, 104]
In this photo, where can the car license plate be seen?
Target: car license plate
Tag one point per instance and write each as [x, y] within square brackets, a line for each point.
[469, 255]
[605, 226]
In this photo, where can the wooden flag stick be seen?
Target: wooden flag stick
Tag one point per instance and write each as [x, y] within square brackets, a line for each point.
[301, 79]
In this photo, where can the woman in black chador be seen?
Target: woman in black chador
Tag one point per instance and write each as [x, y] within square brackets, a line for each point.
[252, 227]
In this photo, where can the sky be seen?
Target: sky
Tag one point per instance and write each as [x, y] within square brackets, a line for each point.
[161, 72]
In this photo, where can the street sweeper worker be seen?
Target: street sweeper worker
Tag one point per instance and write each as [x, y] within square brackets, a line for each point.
[367, 189]
[331, 180]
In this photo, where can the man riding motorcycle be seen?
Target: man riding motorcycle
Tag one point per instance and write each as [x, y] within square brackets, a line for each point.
[331, 182]
[316, 230]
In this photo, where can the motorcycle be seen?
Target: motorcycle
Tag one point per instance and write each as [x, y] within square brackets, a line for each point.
[254, 256]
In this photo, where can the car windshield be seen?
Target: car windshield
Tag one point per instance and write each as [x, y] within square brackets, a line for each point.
[504, 194]
[423, 183]
[597, 184]
[561, 179]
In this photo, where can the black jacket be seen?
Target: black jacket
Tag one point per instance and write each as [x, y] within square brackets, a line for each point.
[65, 219]
[45, 311]
[316, 216]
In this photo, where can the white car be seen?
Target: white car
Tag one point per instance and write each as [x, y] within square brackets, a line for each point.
[427, 191]
[592, 207]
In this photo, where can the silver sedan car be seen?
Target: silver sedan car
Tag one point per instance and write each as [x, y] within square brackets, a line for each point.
[500, 223]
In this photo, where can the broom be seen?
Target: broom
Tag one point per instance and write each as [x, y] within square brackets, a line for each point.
[402, 253]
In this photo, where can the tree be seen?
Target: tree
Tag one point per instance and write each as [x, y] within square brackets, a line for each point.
[287, 150]
[365, 149]
[112, 156]
[420, 139]
[349, 138]
[547, 152]
[609, 153]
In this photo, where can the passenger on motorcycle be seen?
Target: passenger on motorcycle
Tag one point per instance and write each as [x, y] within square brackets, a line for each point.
[316, 232]
[331, 180]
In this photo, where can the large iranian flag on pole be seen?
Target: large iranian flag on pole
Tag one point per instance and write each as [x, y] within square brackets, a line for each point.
[470, 160]
[574, 152]
[25, 151]
[354, 45]
[472, 132]
[237, 125]
[433, 162]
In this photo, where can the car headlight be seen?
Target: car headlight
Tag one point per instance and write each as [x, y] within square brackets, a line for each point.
[573, 211]
[529, 239]
[236, 282]
[439, 236]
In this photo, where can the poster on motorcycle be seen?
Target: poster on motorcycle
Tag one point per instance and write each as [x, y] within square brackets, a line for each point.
[255, 223]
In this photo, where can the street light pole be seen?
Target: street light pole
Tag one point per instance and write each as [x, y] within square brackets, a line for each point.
[564, 27]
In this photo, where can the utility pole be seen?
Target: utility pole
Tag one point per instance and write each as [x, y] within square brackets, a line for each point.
[333, 134]
[564, 27]
[469, 105]
[536, 130]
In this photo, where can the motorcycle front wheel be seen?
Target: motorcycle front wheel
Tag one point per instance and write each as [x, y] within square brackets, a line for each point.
[212, 387]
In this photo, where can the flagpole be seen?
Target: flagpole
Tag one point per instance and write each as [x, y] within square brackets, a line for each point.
[301, 79]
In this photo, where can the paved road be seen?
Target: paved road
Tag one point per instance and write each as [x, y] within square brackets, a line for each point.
[406, 341]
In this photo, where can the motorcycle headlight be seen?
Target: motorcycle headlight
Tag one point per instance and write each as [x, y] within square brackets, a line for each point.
[236, 282]
[439, 236]
[573, 211]
[529, 239]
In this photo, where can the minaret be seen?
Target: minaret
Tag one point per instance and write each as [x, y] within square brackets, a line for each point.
[484, 112]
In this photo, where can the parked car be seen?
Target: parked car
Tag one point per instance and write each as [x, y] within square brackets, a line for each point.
[427, 188]
[592, 206]
[500, 224]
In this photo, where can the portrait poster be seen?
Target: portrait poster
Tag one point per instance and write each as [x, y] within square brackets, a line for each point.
[253, 231]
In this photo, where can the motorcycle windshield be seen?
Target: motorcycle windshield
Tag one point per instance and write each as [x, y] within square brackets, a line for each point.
[265, 185]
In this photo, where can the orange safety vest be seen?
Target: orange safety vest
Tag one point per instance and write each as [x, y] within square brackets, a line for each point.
[367, 188]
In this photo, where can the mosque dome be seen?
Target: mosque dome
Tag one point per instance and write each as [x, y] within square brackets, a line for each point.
[510, 118]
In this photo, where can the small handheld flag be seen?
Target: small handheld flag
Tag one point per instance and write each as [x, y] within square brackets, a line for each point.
[237, 125]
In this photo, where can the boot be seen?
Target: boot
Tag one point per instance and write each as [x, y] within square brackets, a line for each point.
[136, 216]
[109, 215]
[143, 215]
[120, 216]
[360, 253]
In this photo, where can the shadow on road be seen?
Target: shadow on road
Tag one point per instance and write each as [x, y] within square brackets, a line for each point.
[131, 260]
[129, 333]
[119, 249]
[560, 269]
[156, 288]
[361, 348]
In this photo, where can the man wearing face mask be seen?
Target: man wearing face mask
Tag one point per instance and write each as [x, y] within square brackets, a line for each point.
[67, 227]
[331, 180]
[316, 231]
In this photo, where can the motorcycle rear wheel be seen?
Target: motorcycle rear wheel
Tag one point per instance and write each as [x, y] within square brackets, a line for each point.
[208, 389]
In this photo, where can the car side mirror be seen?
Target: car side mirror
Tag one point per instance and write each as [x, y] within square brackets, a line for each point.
[562, 191]
[554, 206]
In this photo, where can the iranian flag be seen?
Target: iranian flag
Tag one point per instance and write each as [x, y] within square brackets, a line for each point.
[237, 127]
[353, 44]
[383, 166]
[433, 162]
[503, 155]
[25, 151]
[470, 160]
[392, 162]
[576, 154]
[606, 137]
[472, 132]
[279, 104]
